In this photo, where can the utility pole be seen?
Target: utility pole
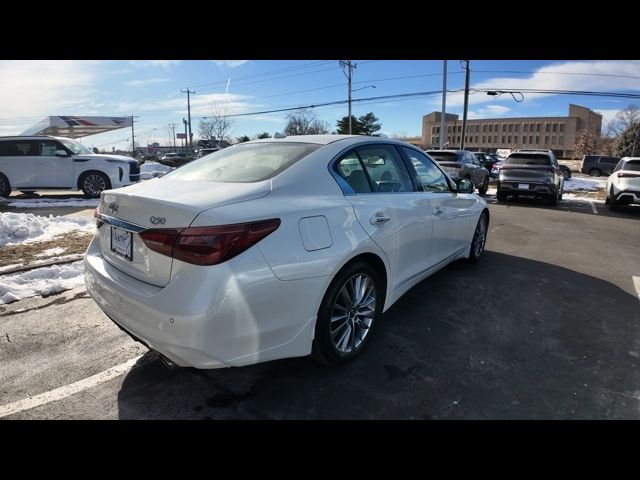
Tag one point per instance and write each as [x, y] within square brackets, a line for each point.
[173, 128]
[186, 139]
[188, 92]
[466, 104]
[349, 66]
[133, 136]
[444, 104]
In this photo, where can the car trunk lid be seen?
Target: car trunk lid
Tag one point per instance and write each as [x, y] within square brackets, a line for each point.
[159, 204]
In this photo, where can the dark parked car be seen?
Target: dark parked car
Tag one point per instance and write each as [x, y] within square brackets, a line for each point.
[597, 165]
[529, 174]
[175, 159]
[488, 160]
[462, 164]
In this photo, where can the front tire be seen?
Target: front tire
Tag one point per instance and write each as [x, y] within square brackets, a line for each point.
[350, 310]
[595, 172]
[612, 204]
[5, 187]
[501, 196]
[479, 238]
[94, 183]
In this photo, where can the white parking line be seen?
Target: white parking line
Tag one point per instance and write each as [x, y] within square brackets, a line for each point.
[636, 283]
[593, 208]
[67, 390]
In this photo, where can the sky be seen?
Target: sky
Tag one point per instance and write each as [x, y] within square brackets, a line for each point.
[151, 90]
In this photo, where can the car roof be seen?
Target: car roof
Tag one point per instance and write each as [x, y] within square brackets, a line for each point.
[319, 139]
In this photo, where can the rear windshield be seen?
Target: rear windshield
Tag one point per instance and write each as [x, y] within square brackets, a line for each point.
[632, 165]
[244, 163]
[528, 159]
[444, 156]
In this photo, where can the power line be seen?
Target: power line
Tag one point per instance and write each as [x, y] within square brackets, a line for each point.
[558, 73]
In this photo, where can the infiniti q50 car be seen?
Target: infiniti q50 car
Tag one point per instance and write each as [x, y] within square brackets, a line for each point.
[278, 247]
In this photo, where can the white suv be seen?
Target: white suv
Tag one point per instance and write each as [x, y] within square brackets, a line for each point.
[623, 185]
[29, 163]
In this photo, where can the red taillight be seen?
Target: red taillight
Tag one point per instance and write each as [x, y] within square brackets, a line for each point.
[208, 245]
[625, 174]
[161, 241]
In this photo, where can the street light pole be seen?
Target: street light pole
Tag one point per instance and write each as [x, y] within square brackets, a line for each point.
[444, 104]
[466, 105]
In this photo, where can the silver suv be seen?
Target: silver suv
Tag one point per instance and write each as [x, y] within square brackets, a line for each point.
[531, 173]
[462, 164]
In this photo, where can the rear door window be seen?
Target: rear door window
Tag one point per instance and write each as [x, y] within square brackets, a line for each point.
[385, 168]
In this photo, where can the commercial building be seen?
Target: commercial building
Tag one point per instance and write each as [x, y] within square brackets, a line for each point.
[555, 133]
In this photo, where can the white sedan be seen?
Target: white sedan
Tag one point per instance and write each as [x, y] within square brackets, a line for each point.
[278, 247]
[623, 185]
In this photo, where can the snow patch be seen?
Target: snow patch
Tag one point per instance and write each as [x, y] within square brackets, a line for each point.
[41, 281]
[51, 252]
[18, 228]
[51, 202]
[150, 170]
[584, 184]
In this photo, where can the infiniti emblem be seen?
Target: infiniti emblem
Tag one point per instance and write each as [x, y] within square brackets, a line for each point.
[113, 206]
[157, 220]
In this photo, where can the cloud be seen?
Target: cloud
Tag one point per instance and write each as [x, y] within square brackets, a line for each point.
[490, 111]
[560, 76]
[140, 83]
[34, 89]
[201, 105]
[155, 63]
[229, 63]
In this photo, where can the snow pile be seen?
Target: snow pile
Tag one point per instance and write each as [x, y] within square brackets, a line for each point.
[27, 227]
[584, 184]
[150, 170]
[41, 281]
[50, 202]
[52, 252]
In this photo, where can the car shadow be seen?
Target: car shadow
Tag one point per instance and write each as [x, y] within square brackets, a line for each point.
[45, 211]
[507, 338]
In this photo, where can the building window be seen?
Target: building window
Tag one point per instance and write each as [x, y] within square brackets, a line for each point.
[537, 140]
[459, 128]
[515, 139]
[495, 139]
[561, 140]
[490, 128]
[562, 128]
[537, 129]
[546, 128]
[484, 128]
[504, 127]
[553, 140]
[509, 140]
[554, 127]
[531, 139]
[517, 127]
[511, 127]
[448, 128]
[502, 138]
[546, 139]
[524, 127]
[484, 138]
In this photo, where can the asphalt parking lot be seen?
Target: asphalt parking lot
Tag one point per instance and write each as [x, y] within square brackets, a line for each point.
[546, 326]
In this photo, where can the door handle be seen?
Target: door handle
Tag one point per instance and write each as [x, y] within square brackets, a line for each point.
[438, 211]
[379, 219]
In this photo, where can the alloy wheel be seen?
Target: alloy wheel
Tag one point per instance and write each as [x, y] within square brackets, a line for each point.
[94, 184]
[352, 313]
[480, 236]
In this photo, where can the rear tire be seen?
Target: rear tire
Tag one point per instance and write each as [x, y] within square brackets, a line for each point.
[613, 204]
[485, 186]
[479, 238]
[348, 314]
[5, 187]
[554, 199]
[94, 183]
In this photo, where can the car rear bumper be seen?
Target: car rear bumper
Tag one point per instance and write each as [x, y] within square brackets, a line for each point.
[233, 314]
[626, 197]
[532, 188]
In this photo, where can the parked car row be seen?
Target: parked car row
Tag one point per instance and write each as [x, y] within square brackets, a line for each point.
[623, 185]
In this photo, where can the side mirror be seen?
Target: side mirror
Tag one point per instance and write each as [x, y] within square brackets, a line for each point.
[464, 185]
[61, 153]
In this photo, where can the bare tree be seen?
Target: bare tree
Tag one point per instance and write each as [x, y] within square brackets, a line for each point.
[305, 122]
[216, 127]
[623, 120]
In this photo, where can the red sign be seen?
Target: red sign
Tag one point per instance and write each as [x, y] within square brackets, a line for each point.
[181, 135]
